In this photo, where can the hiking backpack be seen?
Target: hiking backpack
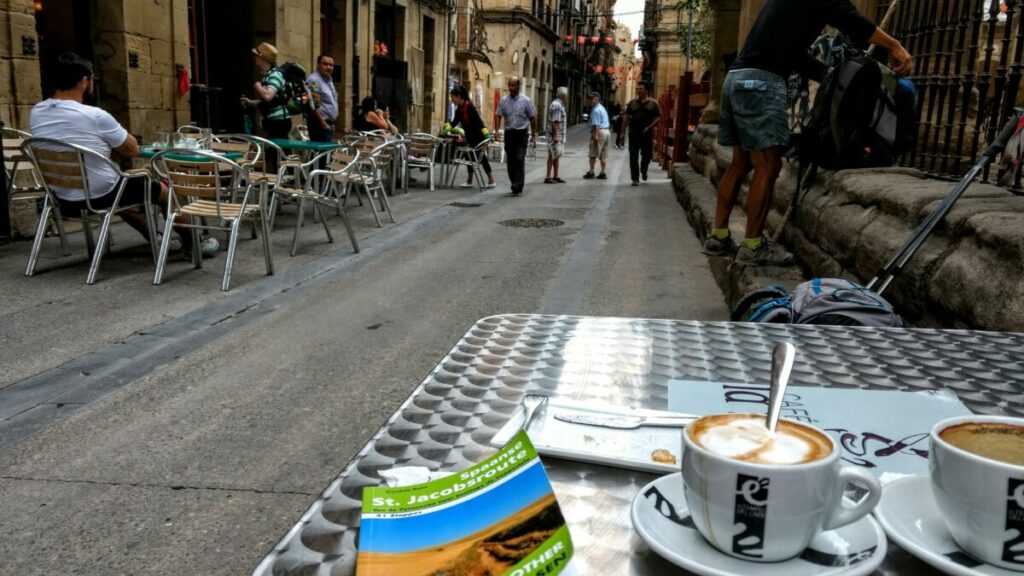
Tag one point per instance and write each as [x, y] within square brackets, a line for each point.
[863, 116]
[297, 95]
[831, 301]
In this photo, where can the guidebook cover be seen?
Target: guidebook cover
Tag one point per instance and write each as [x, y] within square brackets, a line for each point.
[497, 517]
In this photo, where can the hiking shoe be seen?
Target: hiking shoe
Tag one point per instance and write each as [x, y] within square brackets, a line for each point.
[602, 176]
[714, 246]
[766, 254]
[589, 175]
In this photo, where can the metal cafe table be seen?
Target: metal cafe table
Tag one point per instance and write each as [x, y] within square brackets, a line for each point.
[449, 419]
[148, 153]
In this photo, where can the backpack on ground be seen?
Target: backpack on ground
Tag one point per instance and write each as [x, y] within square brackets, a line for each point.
[297, 95]
[831, 301]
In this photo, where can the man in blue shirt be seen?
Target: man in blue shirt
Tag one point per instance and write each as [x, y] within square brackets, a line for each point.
[600, 135]
[321, 121]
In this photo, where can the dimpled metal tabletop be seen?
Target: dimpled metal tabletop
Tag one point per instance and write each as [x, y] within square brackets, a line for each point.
[449, 419]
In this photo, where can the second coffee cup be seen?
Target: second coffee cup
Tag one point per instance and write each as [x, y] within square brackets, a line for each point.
[761, 496]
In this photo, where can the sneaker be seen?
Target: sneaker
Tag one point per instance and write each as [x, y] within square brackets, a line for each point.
[208, 248]
[714, 246]
[489, 186]
[644, 175]
[766, 254]
[467, 185]
[589, 175]
[173, 247]
[602, 176]
[636, 183]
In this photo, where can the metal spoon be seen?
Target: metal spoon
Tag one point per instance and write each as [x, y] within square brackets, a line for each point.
[782, 365]
[531, 402]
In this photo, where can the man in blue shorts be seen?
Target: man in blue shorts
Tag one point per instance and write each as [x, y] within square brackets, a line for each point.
[754, 120]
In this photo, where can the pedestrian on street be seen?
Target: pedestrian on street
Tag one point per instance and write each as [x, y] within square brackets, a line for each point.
[520, 118]
[556, 135]
[754, 120]
[642, 115]
[321, 120]
[277, 121]
[616, 113]
[466, 115]
[600, 136]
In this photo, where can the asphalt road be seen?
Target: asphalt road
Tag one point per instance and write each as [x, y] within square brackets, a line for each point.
[176, 429]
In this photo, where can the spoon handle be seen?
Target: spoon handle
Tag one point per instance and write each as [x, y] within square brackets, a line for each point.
[782, 366]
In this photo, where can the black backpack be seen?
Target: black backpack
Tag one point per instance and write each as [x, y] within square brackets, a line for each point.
[297, 96]
[863, 116]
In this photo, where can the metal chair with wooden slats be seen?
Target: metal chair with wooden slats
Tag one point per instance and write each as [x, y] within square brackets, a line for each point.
[368, 176]
[470, 158]
[64, 165]
[204, 192]
[23, 182]
[321, 187]
[422, 151]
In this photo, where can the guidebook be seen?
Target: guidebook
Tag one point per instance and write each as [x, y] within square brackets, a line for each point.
[885, 431]
[496, 517]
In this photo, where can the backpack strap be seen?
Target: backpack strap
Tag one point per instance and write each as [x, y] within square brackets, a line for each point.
[744, 304]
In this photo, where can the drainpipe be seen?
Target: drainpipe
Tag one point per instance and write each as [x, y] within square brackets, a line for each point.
[355, 58]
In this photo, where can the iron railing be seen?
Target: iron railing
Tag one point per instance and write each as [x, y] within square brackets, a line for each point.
[969, 59]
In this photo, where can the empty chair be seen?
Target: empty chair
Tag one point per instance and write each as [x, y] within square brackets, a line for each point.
[471, 158]
[422, 152]
[62, 168]
[321, 187]
[22, 179]
[208, 192]
[368, 176]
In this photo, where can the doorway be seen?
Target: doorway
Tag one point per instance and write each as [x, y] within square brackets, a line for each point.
[222, 66]
[63, 26]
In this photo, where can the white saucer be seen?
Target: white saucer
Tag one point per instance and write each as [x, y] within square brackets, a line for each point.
[662, 520]
[909, 516]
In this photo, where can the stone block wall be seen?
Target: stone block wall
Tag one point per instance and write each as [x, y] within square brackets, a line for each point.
[19, 71]
[968, 274]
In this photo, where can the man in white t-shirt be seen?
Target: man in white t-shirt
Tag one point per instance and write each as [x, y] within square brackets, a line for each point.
[64, 117]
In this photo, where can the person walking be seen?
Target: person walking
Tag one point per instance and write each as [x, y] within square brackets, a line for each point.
[642, 116]
[321, 120]
[520, 118]
[467, 116]
[615, 110]
[600, 136]
[754, 120]
[556, 135]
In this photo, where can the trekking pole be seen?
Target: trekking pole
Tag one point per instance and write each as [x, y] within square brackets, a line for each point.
[910, 247]
[885, 22]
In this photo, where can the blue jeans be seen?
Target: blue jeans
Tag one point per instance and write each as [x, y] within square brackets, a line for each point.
[753, 114]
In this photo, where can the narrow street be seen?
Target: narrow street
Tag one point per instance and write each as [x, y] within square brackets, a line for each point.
[176, 429]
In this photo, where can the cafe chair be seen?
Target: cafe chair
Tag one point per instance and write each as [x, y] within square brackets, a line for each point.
[497, 150]
[470, 158]
[209, 192]
[23, 182]
[64, 165]
[368, 177]
[422, 151]
[321, 187]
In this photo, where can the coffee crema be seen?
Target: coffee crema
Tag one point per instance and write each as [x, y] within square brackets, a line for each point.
[992, 440]
[745, 437]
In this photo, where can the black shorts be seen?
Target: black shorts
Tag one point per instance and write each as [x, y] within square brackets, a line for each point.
[134, 193]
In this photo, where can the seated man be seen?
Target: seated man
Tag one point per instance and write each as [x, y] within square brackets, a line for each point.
[64, 117]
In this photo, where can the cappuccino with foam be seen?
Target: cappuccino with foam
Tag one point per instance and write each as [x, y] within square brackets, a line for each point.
[745, 437]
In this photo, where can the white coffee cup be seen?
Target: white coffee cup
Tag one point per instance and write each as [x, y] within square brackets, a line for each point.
[981, 499]
[769, 512]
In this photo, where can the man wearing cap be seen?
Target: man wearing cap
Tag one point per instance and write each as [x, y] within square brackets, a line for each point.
[277, 123]
[321, 121]
[600, 135]
[556, 134]
[520, 117]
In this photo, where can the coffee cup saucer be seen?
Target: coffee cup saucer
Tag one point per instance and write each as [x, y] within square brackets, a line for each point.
[909, 516]
[662, 520]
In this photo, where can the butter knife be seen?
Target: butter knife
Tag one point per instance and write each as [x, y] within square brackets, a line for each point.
[626, 422]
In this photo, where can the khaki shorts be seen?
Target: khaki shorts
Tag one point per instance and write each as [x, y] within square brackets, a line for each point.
[599, 149]
[555, 150]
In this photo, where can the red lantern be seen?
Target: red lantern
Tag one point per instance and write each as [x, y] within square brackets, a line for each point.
[569, 37]
[611, 69]
[581, 39]
[609, 40]
[594, 39]
[599, 68]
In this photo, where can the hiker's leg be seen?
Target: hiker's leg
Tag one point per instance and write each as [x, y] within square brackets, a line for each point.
[729, 186]
[767, 165]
